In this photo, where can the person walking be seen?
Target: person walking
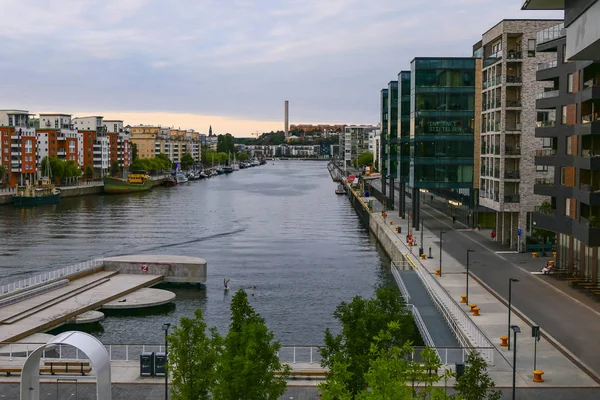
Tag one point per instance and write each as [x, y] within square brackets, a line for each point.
[494, 235]
[453, 218]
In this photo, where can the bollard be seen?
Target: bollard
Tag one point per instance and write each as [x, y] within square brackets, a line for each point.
[430, 256]
[437, 272]
[463, 299]
[476, 312]
[534, 254]
[537, 375]
[423, 256]
[472, 305]
[504, 340]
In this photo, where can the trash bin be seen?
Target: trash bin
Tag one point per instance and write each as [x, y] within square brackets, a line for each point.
[366, 194]
[160, 359]
[147, 363]
[460, 369]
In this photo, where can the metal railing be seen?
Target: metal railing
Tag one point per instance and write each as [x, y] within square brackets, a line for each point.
[511, 174]
[590, 153]
[514, 79]
[513, 151]
[421, 325]
[399, 280]
[545, 152]
[547, 94]
[545, 210]
[466, 331]
[50, 276]
[513, 103]
[544, 181]
[586, 119]
[514, 55]
[549, 34]
[545, 124]
[512, 198]
[546, 65]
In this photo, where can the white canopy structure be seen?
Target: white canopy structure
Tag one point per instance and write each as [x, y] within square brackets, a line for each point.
[93, 349]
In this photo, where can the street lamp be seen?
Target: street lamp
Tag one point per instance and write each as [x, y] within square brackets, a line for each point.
[516, 330]
[468, 252]
[441, 239]
[510, 282]
[165, 328]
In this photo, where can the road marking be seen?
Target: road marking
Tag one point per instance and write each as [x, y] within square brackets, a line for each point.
[507, 252]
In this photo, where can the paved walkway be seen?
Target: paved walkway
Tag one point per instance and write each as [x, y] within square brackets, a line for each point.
[489, 267]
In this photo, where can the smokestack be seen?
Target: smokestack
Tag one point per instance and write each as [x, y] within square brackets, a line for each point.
[287, 111]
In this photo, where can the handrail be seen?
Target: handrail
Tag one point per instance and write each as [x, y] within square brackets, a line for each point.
[47, 277]
[469, 333]
[400, 282]
[420, 325]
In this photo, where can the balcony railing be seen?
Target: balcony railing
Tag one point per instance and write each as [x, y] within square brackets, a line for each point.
[545, 124]
[547, 65]
[545, 152]
[513, 151]
[587, 119]
[496, 174]
[592, 221]
[590, 83]
[589, 188]
[546, 210]
[512, 198]
[590, 153]
[513, 103]
[514, 79]
[514, 55]
[544, 181]
[546, 95]
[513, 127]
[511, 174]
[554, 32]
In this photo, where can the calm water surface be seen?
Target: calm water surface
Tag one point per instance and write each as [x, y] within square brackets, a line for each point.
[278, 226]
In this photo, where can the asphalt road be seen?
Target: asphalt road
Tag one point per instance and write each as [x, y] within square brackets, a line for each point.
[572, 324]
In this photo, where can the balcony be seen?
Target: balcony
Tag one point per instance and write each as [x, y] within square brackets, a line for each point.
[544, 187]
[61, 152]
[512, 174]
[547, 65]
[545, 152]
[514, 55]
[545, 210]
[545, 124]
[493, 81]
[513, 127]
[496, 174]
[552, 33]
[514, 79]
[547, 94]
[512, 198]
[513, 103]
[512, 151]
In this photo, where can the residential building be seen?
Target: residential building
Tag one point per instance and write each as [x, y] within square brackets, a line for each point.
[57, 137]
[581, 24]
[19, 147]
[384, 137]
[508, 115]
[569, 125]
[146, 137]
[403, 123]
[390, 169]
[354, 142]
[374, 147]
[96, 144]
[119, 138]
[442, 117]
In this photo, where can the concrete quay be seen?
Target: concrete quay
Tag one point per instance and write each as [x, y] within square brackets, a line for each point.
[561, 369]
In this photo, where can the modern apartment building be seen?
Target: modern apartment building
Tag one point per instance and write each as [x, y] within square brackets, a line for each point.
[508, 116]
[375, 147]
[403, 150]
[146, 137]
[391, 167]
[57, 137]
[384, 137]
[442, 115]
[354, 142]
[569, 125]
[96, 144]
[18, 147]
[120, 149]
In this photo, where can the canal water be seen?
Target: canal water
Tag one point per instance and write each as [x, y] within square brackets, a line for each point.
[279, 227]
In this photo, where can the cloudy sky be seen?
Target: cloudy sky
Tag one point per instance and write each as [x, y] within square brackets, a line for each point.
[229, 63]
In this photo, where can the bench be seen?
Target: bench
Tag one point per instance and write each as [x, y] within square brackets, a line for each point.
[66, 367]
[8, 371]
[539, 247]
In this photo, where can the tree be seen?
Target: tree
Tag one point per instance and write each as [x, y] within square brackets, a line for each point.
[115, 169]
[225, 144]
[248, 360]
[166, 161]
[134, 152]
[475, 383]
[365, 159]
[362, 320]
[89, 172]
[187, 160]
[192, 359]
[242, 156]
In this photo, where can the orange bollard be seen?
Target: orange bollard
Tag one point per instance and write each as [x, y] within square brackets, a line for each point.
[463, 298]
[437, 272]
[476, 312]
[537, 375]
[504, 340]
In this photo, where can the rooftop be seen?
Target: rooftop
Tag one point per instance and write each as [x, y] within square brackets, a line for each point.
[113, 120]
[543, 5]
[24, 112]
[55, 114]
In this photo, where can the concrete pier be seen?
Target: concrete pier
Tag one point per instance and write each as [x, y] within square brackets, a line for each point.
[143, 298]
[176, 269]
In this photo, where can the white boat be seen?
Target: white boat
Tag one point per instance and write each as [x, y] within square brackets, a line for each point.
[340, 189]
[180, 177]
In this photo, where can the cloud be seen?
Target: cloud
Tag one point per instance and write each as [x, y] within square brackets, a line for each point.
[234, 58]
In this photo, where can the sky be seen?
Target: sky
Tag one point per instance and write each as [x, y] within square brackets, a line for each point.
[227, 63]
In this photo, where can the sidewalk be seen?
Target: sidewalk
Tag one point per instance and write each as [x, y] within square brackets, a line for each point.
[559, 370]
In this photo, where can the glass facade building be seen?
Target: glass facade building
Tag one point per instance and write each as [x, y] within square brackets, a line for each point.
[403, 150]
[442, 113]
[384, 141]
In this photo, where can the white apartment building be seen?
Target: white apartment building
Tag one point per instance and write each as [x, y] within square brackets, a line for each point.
[119, 139]
[375, 146]
[96, 144]
[355, 141]
[19, 144]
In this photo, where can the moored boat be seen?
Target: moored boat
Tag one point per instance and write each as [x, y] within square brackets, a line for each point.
[340, 189]
[170, 181]
[135, 182]
[42, 193]
[180, 177]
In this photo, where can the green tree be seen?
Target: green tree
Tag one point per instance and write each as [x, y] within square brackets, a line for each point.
[475, 383]
[362, 320]
[225, 144]
[249, 361]
[115, 169]
[365, 159]
[166, 161]
[242, 156]
[187, 160]
[134, 152]
[89, 172]
[192, 359]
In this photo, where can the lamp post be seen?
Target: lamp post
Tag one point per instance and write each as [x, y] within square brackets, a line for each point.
[516, 330]
[165, 328]
[441, 239]
[468, 252]
[510, 282]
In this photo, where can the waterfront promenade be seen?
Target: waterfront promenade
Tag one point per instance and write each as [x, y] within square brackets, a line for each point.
[561, 369]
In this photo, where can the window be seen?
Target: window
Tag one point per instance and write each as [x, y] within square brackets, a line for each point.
[563, 119]
[569, 141]
[570, 83]
[568, 207]
[564, 54]
[547, 142]
[563, 175]
[531, 48]
[541, 168]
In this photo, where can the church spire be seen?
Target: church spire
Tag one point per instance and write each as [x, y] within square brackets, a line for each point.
[210, 130]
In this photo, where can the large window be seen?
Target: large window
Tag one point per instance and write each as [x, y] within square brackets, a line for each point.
[531, 48]
[563, 118]
[570, 83]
